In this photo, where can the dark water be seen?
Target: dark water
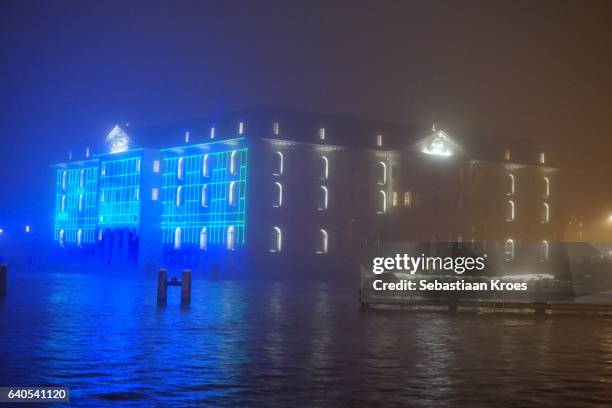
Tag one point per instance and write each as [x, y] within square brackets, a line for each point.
[262, 344]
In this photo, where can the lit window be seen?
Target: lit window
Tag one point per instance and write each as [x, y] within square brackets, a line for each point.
[241, 128]
[82, 179]
[203, 239]
[232, 193]
[323, 198]
[137, 165]
[275, 128]
[179, 196]
[155, 166]
[102, 195]
[104, 169]
[277, 164]
[155, 194]
[212, 132]
[136, 194]
[180, 168]
[64, 180]
[205, 170]
[231, 237]
[382, 173]
[62, 237]
[408, 199]
[204, 197]
[542, 158]
[545, 213]
[278, 195]
[81, 202]
[324, 168]
[544, 251]
[233, 162]
[79, 237]
[382, 202]
[507, 154]
[379, 140]
[510, 211]
[322, 242]
[510, 180]
[546, 187]
[63, 203]
[177, 238]
[509, 250]
[322, 133]
[27, 228]
[394, 198]
[187, 137]
[276, 240]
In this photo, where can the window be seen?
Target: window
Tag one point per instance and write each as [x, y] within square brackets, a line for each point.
[156, 166]
[64, 180]
[510, 184]
[544, 251]
[233, 162]
[63, 203]
[203, 239]
[324, 163]
[507, 154]
[322, 245]
[275, 128]
[509, 250]
[205, 171]
[241, 128]
[79, 237]
[81, 202]
[382, 173]
[82, 179]
[323, 198]
[102, 196]
[212, 132]
[180, 168]
[278, 195]
[155, 194]
[542, 158]
[382, 202]
[408, 199]
[179, 196]
[510, 211]
[276, 240]
[231, 237]
[322, 133]
[62, 237]
[136, 194]
[394, 199]
[379, 140]
[277, 164]
[177, 238]
[104, 169]
[204, 196]
[137, 165]
[546, 187]
[545, 213]
[187, 137]
[232, 193]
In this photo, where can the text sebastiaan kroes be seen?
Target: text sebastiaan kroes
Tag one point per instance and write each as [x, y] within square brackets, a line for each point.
[410, 264]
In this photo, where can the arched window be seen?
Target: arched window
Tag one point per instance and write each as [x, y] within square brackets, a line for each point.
[276, 240]
[233, 162]
[79, 237]
[81, 202]
[322, 242]
[546, 187]
[324, 163]
[382, 202]
[232, 193]
[179, 196]
[180, 168]
[510, 211]
[203, 239]
[63, 203]
[545, 213]
[204, 197]
[82, 179]
[510, 185]
[177, 238]
[205, 170]
[62, 237]
[277, 164]
[544, 251]
[278, 195]
[382, 173]
[64, 179]
[275, 128]
[509, 250]
[379, 140]
[231, 237]
[323, 198]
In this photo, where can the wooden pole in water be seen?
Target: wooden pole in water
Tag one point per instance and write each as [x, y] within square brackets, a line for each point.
[3, 273]
[162, 286]
[186, 287]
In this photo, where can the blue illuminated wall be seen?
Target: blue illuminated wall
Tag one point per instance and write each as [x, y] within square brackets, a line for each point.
[76, 204]
[218, 214]
[119, 192]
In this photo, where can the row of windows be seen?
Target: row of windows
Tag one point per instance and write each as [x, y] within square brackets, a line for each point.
[206, 165]
[541, 156]
[179, 199]
[230, 238]
[511, 185]
[511, 212]
[510, 250]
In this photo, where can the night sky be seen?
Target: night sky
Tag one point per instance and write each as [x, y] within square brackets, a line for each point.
[541, 70]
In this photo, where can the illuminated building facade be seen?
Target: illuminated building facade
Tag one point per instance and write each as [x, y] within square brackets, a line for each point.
[286, 191]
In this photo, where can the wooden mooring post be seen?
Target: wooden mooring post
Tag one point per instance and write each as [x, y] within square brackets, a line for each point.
[184, 283]
[3, 273]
